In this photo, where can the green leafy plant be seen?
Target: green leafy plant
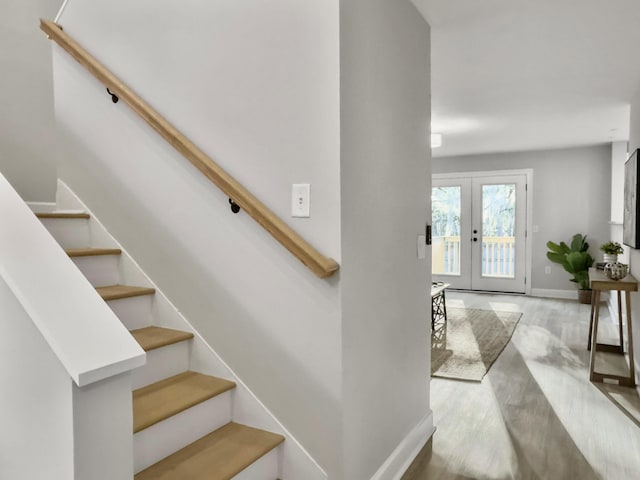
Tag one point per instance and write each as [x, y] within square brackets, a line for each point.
[574, 258]
[612, 248]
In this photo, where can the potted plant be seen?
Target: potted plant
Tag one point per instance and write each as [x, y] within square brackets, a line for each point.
[611, 250]
[576, 260]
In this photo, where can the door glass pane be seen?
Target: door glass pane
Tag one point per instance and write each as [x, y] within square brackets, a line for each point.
[498, 230]
[445, 252]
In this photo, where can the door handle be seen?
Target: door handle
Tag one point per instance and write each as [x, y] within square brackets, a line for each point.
[475, 239]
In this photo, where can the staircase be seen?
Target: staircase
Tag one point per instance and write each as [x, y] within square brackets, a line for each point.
[183, 424]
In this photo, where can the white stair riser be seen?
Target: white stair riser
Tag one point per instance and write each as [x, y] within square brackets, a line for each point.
[100, 270]
[162, 439]
[264, 467]
[162, 363]
[42, 207]
[133, 312]
[69, 232]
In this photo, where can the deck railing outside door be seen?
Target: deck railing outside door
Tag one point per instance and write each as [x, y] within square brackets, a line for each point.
[498, 256]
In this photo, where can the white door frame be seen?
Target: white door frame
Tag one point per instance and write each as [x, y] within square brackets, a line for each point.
[528, 173]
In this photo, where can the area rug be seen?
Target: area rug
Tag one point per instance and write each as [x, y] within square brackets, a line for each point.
[465, 347]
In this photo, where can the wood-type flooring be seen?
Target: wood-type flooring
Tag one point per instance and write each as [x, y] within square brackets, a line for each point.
[535, 415]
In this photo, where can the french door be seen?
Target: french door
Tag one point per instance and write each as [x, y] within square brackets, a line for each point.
[479, 234]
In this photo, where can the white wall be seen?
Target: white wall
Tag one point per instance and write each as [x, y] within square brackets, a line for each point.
[36, 438]
[618, 159]
[571, 194]
[256, 85]
[634, 255]
[385, 186]
[27, 157]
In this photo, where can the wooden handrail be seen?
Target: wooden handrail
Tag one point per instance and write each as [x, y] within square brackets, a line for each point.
[320, 265]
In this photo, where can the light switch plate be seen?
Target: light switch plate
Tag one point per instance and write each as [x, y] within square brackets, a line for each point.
[300, 200]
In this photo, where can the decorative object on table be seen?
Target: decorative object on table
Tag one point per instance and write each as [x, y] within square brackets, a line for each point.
[631, 218]
[467, 345]
[576, 260]
[610, 251]
[616, 270]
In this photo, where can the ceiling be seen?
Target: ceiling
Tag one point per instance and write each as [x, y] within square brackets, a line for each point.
[511, 75]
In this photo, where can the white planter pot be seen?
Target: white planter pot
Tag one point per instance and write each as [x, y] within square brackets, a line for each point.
[609, 258]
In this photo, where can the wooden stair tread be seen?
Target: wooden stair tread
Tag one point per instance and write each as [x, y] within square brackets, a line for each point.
[115, 292]
[62, 215]
[218, 456]
[151, 338]
[89, 252]
[168, 397]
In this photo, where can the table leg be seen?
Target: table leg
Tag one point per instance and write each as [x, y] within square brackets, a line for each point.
[438, 308]
[433, 313]
[444, 306]
[632, 369]
[594, 337]
[619, 293]
[593, 309]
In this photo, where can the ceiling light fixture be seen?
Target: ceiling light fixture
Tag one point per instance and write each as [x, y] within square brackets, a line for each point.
[436, 140]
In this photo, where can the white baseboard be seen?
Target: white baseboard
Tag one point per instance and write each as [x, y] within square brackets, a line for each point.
[407, 450]
[550, 293]
[567, 294]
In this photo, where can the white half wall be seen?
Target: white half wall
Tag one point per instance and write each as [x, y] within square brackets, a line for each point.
[51, 428]
[36, 438]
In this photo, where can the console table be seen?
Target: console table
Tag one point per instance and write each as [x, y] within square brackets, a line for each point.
[599, 282]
